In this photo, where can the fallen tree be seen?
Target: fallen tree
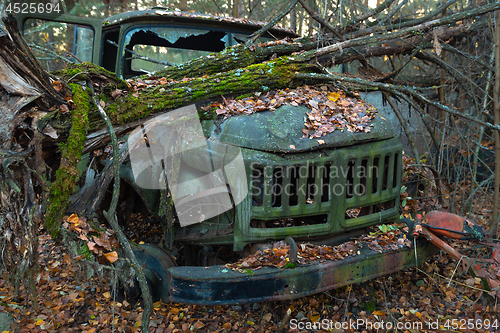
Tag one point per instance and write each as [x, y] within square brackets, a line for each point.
[50, 120]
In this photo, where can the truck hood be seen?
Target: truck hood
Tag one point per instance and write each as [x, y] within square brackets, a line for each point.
[281, 131]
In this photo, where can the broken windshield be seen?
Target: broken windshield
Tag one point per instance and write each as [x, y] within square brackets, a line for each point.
[151, 48]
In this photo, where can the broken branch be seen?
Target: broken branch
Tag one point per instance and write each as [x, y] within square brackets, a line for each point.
[111, 217]
[271, 23]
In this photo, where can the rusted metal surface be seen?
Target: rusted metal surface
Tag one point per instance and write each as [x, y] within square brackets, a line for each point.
[421, 230]
[173, 16]
[452, 226]
[217, 285]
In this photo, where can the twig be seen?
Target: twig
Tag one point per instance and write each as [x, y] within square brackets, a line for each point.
[141, 57]
[69, 54]
[403, 124]
[462, 284]
[394, 320]
[347, 303]
[285, 320]
[48, 51]
[392, 12]
[114, 303]
[481, 133]
[432, 279]
[447, 47]
[271, 23]
[397, 71]
[386, 4]
[450, 69]
[111, 217]
[429, 16]
[423, 116]
[218, 7]
[320, 20]
[493, 227]
[456, 267]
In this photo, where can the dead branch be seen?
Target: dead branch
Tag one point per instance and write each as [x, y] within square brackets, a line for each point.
[424, 55]
[271, 23]
[141, 57]
[17, 54]
[355, 21]
[111, 217]
[393, 12]
[320, 20]
[425, 18]
[424, 116]
[404, 124]
[49, 52]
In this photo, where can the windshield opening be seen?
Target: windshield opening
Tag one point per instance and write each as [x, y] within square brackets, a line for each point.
[149, 49]
[56, 43]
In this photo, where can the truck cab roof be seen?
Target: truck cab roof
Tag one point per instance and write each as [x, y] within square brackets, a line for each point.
[192, 17]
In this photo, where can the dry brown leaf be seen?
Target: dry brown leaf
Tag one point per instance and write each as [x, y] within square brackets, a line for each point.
[63, 108]
[111, 256]
[198, 325]
[281, 252]
[103, 241]
[91, 246]
[83, 237]
[58, 86]
[73, 219]
[73, 296]
[50, 131]
[116, 93]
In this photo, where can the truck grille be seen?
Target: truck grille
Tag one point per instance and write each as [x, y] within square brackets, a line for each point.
[290, 185]
[356, 185]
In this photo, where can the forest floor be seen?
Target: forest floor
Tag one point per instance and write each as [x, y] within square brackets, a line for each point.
[434, 297]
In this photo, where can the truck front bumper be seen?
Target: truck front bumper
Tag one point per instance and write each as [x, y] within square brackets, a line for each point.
[219, 285]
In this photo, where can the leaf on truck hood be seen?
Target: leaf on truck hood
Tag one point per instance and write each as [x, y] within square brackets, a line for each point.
[330, 108]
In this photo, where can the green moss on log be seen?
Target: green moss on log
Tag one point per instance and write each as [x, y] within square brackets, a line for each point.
[234, 57]
[276, 74]
[71, 151]
[88, 71]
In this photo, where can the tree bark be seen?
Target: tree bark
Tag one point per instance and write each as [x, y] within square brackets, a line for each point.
[496, 93]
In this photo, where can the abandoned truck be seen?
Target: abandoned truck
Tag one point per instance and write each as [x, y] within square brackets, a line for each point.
[244, 182]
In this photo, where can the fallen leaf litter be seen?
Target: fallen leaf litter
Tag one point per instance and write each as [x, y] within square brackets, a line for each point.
[331, 109]
[308, 254]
